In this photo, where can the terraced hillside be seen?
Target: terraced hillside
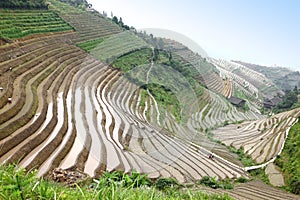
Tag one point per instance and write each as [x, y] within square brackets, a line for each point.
[263, 139]
[124, 105]
[64, 103]
[17, 24]
[80, 109]
[90, 26]
[284, 78]
[253, 84]
[255, 190]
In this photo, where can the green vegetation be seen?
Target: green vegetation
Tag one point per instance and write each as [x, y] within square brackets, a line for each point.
[124, 180]
[157, 43]
[166, 184]
[289, 160]
[290, 101]
[21, 184]
[90, 45]
[260, 174]
[181, 65]
[133, 59]
[118, 45]
[143, 56]
[241, 180]
[185, 68]
[76, 3]
[247, 161]
[24, 4]
[17, 24]
[213, 183]
[65, 7]
[189, 64]
[192, 72]
[241, 94]
[143, 98]
[120, 23]
[183, 84]
[246, 107]
[244, 158]
[165, 98]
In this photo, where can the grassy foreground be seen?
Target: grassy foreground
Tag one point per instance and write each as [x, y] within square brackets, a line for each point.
[20, 184]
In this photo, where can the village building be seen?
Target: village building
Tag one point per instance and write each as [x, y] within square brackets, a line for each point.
[237, 102]
[271, 103]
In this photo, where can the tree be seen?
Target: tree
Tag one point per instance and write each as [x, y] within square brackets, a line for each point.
[121, 22]
[151, 36]
[115, 20]
[296, 91]
[170, 57]
[289, 99]
[126, 27]
[156, 54]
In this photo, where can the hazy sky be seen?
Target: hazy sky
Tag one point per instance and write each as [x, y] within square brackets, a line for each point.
[263, 32]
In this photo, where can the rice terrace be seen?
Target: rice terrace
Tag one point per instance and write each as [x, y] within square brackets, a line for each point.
[84, 97]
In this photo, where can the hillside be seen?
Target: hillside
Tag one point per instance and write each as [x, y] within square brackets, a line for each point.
[25, 4]
[81, 92]
[284, 78]
[253, 84]
[289, 161]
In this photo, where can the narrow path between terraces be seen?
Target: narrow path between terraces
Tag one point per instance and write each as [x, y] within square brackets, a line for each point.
[147, 82]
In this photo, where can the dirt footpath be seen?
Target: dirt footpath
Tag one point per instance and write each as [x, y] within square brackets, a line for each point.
[275, 176]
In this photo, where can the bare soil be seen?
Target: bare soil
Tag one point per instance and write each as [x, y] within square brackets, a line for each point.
[275, 175]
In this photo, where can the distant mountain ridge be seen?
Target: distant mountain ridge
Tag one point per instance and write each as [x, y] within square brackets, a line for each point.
[284, 78]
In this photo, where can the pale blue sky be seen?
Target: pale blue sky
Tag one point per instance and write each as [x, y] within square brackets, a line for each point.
[263, 32]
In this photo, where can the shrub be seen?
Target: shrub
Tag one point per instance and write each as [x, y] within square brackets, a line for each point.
[124, 180]
[213, 183]
[242, 180]
[166, 183]
[260, 173]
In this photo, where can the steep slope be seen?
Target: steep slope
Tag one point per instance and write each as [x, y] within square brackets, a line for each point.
[289, 161]
[88, 115]
[63, 107]
[263, 139]
[17, 24]
[253, 84]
